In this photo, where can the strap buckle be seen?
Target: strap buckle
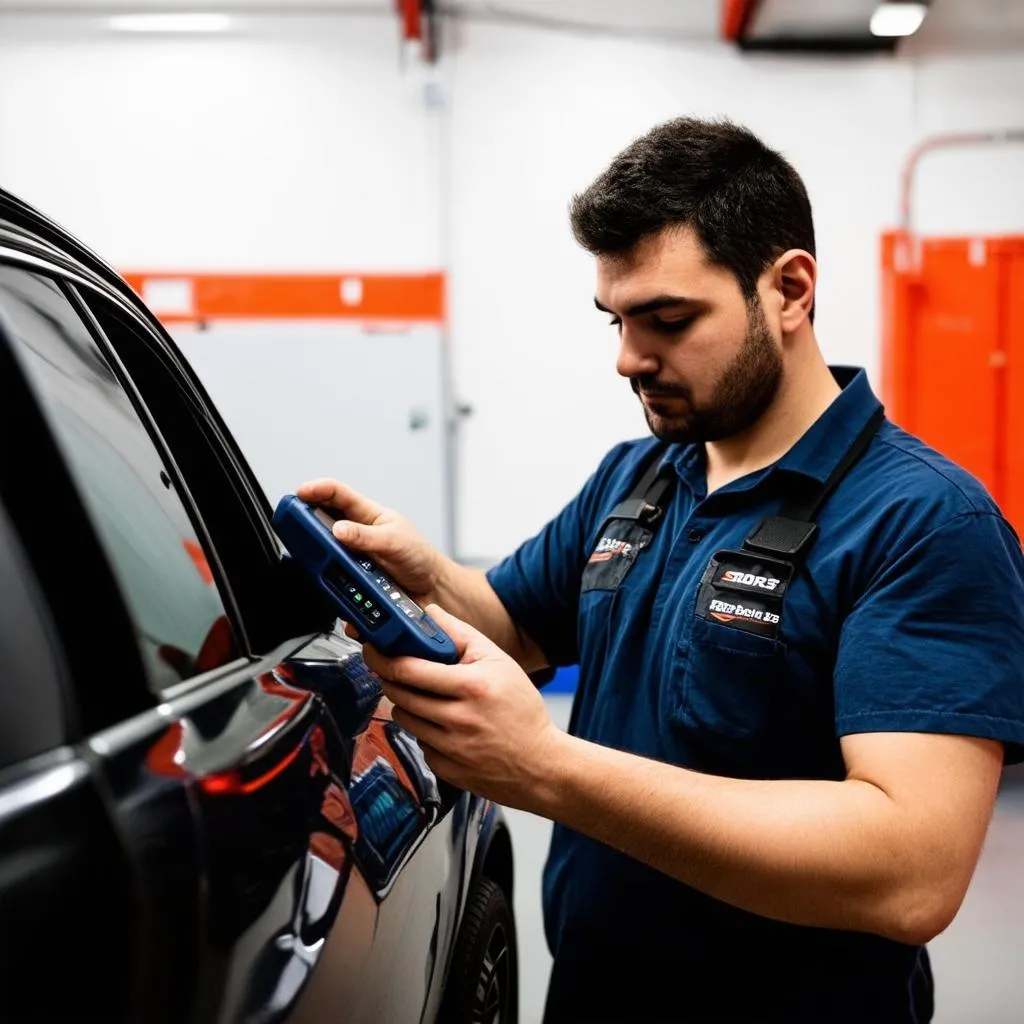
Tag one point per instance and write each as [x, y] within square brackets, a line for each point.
[778, 535]
[639, 510]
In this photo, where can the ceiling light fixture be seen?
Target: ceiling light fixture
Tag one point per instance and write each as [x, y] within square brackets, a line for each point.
[897, 18]
[198, 22]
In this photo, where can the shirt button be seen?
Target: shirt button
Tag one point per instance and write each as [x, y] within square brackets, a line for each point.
[694, 536]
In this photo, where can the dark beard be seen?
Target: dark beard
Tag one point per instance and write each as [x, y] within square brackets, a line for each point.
[741, 396]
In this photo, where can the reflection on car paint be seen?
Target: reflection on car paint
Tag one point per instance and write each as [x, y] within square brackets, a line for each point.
[373, 820]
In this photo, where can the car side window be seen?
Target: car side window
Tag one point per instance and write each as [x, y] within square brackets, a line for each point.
[142, 524]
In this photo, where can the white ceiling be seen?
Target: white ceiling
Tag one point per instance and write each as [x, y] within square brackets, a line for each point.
[698, 18]
[972, 24]
[88, 6]
[967, 24]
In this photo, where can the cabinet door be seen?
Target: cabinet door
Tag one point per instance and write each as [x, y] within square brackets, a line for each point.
[955, 352]
[1013, 427]
[313, 398]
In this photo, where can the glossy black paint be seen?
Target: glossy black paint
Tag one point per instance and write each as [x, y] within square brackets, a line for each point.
[249, 837]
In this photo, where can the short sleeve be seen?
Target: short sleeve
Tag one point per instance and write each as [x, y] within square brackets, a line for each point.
[936, 642]
[539, 584]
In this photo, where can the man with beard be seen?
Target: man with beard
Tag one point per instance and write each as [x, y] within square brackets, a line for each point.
[800, 635]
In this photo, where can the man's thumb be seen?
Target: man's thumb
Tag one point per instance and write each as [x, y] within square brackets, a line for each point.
[355, 535]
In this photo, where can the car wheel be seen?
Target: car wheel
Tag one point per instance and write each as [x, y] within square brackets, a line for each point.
[483, 983]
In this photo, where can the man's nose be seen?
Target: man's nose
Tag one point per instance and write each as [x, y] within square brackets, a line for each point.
[635, 357]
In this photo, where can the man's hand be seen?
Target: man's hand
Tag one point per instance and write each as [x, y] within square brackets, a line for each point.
[481, 723]
[393, 542]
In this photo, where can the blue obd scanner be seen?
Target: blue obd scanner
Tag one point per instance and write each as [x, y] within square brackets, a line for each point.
[365, 597]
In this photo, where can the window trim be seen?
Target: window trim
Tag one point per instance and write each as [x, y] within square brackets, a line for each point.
[307, 610]
[95, 330]
[304, 613]
[184, 495]
[181, 492]
[129, 694]
[55, 264]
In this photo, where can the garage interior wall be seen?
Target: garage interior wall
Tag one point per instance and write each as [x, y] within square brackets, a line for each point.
[303, 143]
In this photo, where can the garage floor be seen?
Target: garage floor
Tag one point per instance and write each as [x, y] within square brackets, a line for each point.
[978, 962]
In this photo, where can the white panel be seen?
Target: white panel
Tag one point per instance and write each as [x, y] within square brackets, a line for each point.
[306, 400]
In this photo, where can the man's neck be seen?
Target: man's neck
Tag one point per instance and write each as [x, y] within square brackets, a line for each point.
[805, 392]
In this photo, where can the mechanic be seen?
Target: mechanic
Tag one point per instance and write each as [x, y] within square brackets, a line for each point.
[800, 635]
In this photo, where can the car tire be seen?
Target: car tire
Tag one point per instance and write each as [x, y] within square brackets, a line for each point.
[483, 982]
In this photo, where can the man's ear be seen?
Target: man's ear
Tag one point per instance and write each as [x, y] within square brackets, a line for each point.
[794, 277]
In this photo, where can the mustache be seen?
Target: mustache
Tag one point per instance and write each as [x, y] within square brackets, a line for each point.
[654, 388]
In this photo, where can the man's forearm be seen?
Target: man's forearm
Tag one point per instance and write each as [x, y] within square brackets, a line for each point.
[829, 854]
[467, 594]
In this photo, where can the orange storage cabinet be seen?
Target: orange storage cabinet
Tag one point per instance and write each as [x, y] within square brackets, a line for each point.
[953, 344]
[953, 353]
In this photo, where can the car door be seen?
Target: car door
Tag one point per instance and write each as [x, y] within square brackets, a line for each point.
[264, 837]
[408, 846]
[63, 867]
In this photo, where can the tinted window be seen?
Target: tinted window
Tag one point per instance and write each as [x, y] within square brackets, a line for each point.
[31, 711]
[147, 534]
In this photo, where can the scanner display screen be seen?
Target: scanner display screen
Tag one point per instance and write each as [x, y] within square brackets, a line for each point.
[374, 608]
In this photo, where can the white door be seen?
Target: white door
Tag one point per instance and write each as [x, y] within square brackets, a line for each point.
[330, 398]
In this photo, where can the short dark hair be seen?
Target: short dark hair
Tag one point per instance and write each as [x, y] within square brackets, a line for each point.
[745, 201]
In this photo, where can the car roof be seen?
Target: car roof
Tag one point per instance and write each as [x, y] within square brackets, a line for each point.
[20, 221]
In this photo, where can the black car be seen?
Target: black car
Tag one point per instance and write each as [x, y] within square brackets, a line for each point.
[206, 812]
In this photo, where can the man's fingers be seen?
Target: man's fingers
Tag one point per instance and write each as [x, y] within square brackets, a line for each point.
[463, 635]
[372, 539]
[439, 680]
[431, 734]
[420, 703]
[337, 495]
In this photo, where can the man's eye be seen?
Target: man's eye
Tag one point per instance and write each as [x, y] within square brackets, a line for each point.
[672, 326]
[615, 322]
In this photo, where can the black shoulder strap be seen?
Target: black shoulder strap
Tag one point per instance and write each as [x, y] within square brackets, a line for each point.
[790, 533]
[808, 508]
[644, 503]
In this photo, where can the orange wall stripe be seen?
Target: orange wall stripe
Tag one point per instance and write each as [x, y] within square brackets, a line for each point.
[184, 297]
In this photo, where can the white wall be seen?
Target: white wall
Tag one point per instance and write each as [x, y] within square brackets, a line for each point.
[972, 190]
[300, 143]
[536, 116]
[292, 143]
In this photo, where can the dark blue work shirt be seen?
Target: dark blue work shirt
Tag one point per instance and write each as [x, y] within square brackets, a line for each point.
[908, 616]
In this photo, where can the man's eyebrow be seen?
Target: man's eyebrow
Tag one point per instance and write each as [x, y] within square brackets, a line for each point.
[650, 305]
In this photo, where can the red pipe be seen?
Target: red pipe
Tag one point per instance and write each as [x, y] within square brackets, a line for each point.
[412, 18]
[736, 17]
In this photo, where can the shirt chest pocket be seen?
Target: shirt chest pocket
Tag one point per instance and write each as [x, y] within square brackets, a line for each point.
[727, 692]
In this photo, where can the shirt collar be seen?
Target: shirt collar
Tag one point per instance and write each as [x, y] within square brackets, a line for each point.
[821, 447]
[829, 438]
